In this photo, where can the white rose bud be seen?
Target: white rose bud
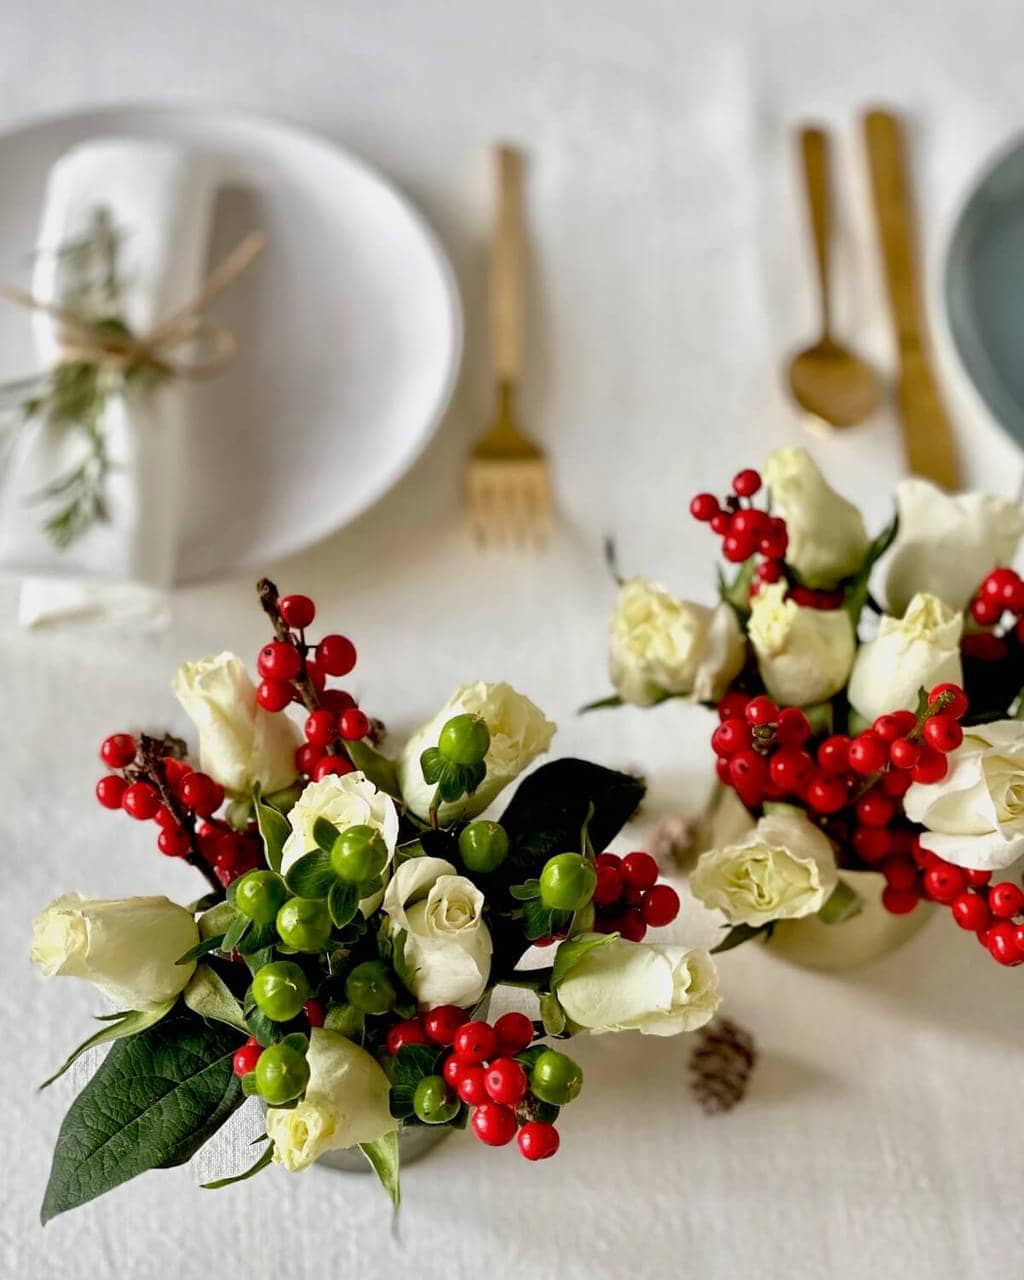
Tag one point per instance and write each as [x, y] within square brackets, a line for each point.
[239, 743]
[519, 733]
[662, 645]
[635, 986]
[946, 545]
[804, 655]
[346, 1103]
[783, 870]
[975, 815]
[346, 800]
[447, 944]
[915, 652]
[126, 946]
[827, 538]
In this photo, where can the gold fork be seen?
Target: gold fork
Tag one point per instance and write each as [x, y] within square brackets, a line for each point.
[507, 479]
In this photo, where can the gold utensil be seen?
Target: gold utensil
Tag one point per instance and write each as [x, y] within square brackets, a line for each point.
[826, 379]
[927, 433]
[507, 478]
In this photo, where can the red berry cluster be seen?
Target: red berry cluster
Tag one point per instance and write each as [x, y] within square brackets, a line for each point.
[745, 531]
[1001, 593]
[482, 1072]
[761, 753]
[628, 899]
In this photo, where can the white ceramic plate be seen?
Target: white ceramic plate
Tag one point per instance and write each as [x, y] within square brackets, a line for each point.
[349, 329]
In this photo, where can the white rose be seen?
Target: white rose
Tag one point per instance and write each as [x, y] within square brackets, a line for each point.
[634, 986]
[519, 733]
[804, 655]
[239, 742]
[447, 944]
[917, 651]
[946, 545]
[783, 870]
[346, 1103]
[661, 645]
[975, 815]
[348, 800]
[126, 946]
[827, 538]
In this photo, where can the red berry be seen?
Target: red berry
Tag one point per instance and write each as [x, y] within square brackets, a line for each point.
[898, 902]
[660, 906]
[476, 1042]
[721, 523]
[514, 1032]
[748, 773]
[472, 1085]
[1006, 899]
[978, 878]
[278, 661]
[722, 769]
[826, 794]
[984, 647]
[730, 736]
[768, 570]
[737, 547]
[632, 925]
[1001, 941]
[957, 706]
[793, 728]
[297, 611]
[748, 522]
[761, 711]
[110, 791]
[733, 706]
[441, 1024]
[872, 844]
[943, 881]
[336, 655]
[174, 841]
[896, 783]
[316, 1014]
[609, 886]
[996, 583]
[506, 1081]
[494, 1124]
[316, 677]
[704, 507]
[868, 753]
[336, 700]
[320, 728]
[943, 733]
[639, 870]
[1013, 596]
[272, 695]
[608, 860]
[985, 611]
[141, 801]
[452, 1071]
[774, 545]
[904, 753]
[118, 750]
[791, 770]
[746, 482]
[330, 765]
[403, 1033]
[307, 756]
[900, 873]
[970, 911]
[245, 1059]
[834, 754]
[931, 766]
[355, 724]
[201, 794]
[875, 808]
[538, 1140]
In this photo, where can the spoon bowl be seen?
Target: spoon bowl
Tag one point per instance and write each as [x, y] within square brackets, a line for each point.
[833, 384]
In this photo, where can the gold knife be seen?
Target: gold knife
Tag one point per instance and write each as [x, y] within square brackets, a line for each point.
[928, 436]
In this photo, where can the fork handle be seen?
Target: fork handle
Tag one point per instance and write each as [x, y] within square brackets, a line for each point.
[507, 267]
[814, 149]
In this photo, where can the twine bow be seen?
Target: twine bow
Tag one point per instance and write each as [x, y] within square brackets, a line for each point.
[111, 345]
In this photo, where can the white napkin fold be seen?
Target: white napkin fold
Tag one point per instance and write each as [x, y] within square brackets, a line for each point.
[160, 201]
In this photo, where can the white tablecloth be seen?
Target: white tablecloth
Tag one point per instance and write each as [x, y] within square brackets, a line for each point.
[669, 274]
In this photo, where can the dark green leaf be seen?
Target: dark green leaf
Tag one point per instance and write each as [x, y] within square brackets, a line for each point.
[312, 876]
[240, 926]
[155, 1100]
[740, 933]
[398, 961]
[259, 1025]
[408, 1067]
[540, 921]
[383, 1157]
[258, 938]
[601, 704]
[856, 593]
[552, 1015]
[572, 951]
[737, 592]
[432, 765]
[119, 1025]
[200, 949]
[342, 902]
[253, 1169]
[273, 827]
[525, 891]
[379, 769]
[255, 960]
[325, 834]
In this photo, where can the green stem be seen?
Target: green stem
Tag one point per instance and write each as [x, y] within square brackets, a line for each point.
[529, 979]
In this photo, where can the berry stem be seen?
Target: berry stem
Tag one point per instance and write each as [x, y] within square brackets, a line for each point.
[148, 766]
[269, 596]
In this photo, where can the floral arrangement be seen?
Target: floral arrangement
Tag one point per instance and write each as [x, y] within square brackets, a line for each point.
[360, 914]
[853, 736]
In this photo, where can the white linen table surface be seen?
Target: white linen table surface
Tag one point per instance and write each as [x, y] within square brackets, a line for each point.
[669, 274]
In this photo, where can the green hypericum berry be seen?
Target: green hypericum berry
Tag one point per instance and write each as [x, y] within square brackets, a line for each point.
[464, 740]
[347, 1020]
[556, 1078]
[259, 895]
[369, 987]
[282, 1073]
[304, 923]
[432, 1101]
[483, 846]
[280, 989]
[359, 854]
[567, 882]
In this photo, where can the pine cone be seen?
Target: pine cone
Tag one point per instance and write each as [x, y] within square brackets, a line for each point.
[721, 1064]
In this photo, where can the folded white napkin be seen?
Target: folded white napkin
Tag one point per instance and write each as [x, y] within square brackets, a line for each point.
[159, 199]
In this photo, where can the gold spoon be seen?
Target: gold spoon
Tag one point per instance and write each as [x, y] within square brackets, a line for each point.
[828, 380]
